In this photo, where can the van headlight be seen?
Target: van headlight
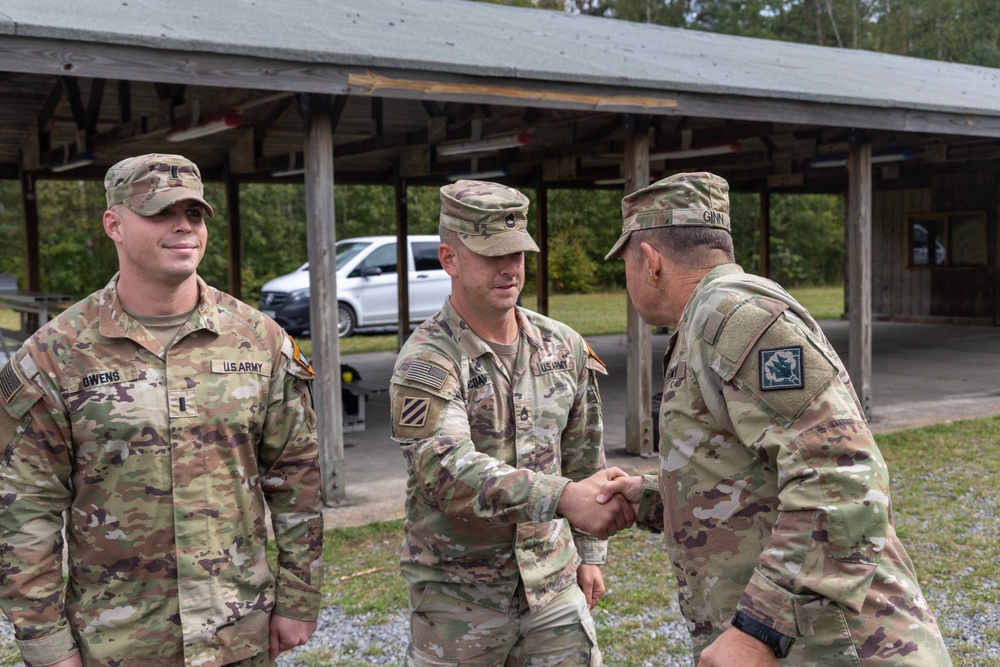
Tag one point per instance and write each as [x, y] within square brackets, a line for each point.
[299, 296]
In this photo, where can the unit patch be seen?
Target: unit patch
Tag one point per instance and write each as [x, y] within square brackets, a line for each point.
[426, 373]
[413, 411]
[781, 368]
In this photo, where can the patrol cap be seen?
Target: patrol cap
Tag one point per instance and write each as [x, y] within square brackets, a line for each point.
[491, 219]
[697, 199]
[147, 184]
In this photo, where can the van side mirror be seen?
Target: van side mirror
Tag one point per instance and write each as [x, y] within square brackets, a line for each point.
[370, 271]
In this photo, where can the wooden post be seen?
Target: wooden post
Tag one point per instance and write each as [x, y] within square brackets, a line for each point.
[542, 236]
[234, 234]
[639, 371]
[765, 231]
[323, 293]
[859, 265]
[29, 204]
[402, 266]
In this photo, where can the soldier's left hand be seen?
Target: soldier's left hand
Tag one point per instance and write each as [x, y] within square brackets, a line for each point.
[590, 578]
[286, 633]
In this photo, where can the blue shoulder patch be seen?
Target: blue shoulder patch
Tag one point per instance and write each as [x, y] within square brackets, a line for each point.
[781, 368]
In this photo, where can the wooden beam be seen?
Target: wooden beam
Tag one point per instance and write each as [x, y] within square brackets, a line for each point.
[29, 205]
[402, 265]
[322, 234]
[859, 266]
[72, 88]
[638, 367]
[234, 233]
[94, 104]
[542, 236]
[124, 102]
[765, 230]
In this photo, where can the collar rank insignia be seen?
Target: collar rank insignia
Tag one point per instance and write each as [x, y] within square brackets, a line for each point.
[781, 368]
[413, 411]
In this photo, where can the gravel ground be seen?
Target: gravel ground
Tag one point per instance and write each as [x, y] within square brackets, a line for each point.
[373, 639]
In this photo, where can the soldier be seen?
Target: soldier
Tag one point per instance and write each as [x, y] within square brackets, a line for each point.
[158, 416]
[772, 492]
[498, 414]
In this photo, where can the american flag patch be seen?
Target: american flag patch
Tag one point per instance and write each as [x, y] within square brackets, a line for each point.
[426, 373]
[413, 412]
[10, 382]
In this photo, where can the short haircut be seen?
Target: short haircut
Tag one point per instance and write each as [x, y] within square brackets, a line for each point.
[686, 246]
[451, 237]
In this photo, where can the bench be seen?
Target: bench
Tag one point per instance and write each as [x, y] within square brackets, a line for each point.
[355, 393]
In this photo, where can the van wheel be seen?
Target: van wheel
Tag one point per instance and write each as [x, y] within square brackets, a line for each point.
[346, 320]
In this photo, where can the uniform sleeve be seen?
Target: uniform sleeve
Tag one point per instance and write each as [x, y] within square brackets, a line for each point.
[792, 405]
[649, 515]
[430, 422]
[290, 477]
[36, 466]
[583, 447]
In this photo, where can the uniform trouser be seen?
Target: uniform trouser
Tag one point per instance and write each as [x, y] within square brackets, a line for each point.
[448, 631]
[259, 660]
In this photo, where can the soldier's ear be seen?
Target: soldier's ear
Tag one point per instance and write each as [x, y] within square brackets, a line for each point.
[112, 225]
[447, 255]
[652, 261]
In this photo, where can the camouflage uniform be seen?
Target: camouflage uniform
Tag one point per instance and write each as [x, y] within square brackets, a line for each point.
[488, 457]
[775, 497]
[492, 571]
[164, 459]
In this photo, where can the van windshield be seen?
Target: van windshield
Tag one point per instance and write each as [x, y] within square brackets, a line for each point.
[346, 250]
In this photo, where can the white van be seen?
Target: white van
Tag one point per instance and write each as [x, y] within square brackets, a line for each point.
[366, 286]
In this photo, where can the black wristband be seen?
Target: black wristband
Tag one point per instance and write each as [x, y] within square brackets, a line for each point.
[779, 643]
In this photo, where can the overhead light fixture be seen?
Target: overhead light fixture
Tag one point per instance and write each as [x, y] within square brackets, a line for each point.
[700, 151]
[489, 145]
[198, 128]
[840, 160]
[81, 159]
[480, 175]
[293, 168]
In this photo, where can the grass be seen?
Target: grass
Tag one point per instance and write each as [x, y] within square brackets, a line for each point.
[594, 314]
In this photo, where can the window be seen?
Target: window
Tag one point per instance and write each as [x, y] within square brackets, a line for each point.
[383, 258]
[947, 239]
[425, 256]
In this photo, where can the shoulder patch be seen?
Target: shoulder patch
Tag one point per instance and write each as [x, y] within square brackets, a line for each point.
[785, 372]
[594, 362]
[299, 358]
[414, 412]
[781, 368]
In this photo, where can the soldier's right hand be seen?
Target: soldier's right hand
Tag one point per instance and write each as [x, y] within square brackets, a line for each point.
[578, 504]
[73, 661]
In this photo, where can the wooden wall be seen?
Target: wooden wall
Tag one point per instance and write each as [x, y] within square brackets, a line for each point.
[933, 294]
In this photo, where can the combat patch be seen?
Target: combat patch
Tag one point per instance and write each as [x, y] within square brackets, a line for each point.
[426, 373]
[413, 411]
[10, 381]
[781, 368]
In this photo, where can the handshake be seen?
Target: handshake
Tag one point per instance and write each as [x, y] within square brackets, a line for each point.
[602, 504]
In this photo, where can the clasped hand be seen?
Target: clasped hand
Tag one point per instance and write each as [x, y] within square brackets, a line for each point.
[602, 518]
